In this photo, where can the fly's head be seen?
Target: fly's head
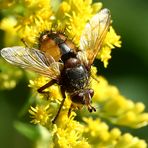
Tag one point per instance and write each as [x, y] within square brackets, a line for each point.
[84, 97]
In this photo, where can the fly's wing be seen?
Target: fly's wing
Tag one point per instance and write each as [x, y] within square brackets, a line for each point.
[93, 36]
[32, 59]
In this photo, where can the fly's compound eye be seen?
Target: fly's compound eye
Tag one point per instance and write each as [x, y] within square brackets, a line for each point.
[78, 98]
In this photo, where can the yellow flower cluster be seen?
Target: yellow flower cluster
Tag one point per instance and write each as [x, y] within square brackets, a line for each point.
[35, 20]
[52, 96]
[110, 42]
[7, 24]
[116, 108]
[68, 133]
[36, 17]
[72, 21]
[40, 114]
[9, 76]
[101, 137]
[72, 14]
[53, 90]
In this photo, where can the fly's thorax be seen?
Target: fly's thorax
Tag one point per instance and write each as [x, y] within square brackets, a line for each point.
[72, 62]
[74, 75]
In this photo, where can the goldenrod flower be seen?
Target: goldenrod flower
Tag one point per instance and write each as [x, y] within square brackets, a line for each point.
[117, 108]
[69, 133]
[72, 14]
[96, 129]
[129, 141]
[111, 40]
[100, 136]
[8, 24]
[9, 75]
[40, 114]
[35, 19]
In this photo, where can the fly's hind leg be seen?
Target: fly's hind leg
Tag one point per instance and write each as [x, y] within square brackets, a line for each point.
[61, 105]
[41, 89]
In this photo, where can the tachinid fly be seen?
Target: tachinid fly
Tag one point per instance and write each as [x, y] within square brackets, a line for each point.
[66, 65]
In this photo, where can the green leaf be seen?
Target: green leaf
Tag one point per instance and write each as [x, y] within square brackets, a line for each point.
[33, 132]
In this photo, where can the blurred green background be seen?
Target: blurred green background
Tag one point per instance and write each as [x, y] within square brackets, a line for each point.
[128, 70]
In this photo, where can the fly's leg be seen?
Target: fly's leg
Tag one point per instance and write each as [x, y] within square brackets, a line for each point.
[70, 110]
[25, 43]
[64, 97]
[41, 89]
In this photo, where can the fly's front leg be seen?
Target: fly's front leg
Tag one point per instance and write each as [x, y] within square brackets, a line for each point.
[61, 105]
[25, 43]
[41, 89]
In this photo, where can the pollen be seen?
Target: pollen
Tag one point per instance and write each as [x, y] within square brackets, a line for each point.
[40, 114]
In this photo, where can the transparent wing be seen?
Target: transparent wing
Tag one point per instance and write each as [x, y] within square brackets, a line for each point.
[32, 59]
[93, 36]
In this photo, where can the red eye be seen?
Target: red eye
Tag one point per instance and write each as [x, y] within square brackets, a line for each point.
[78, 98]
